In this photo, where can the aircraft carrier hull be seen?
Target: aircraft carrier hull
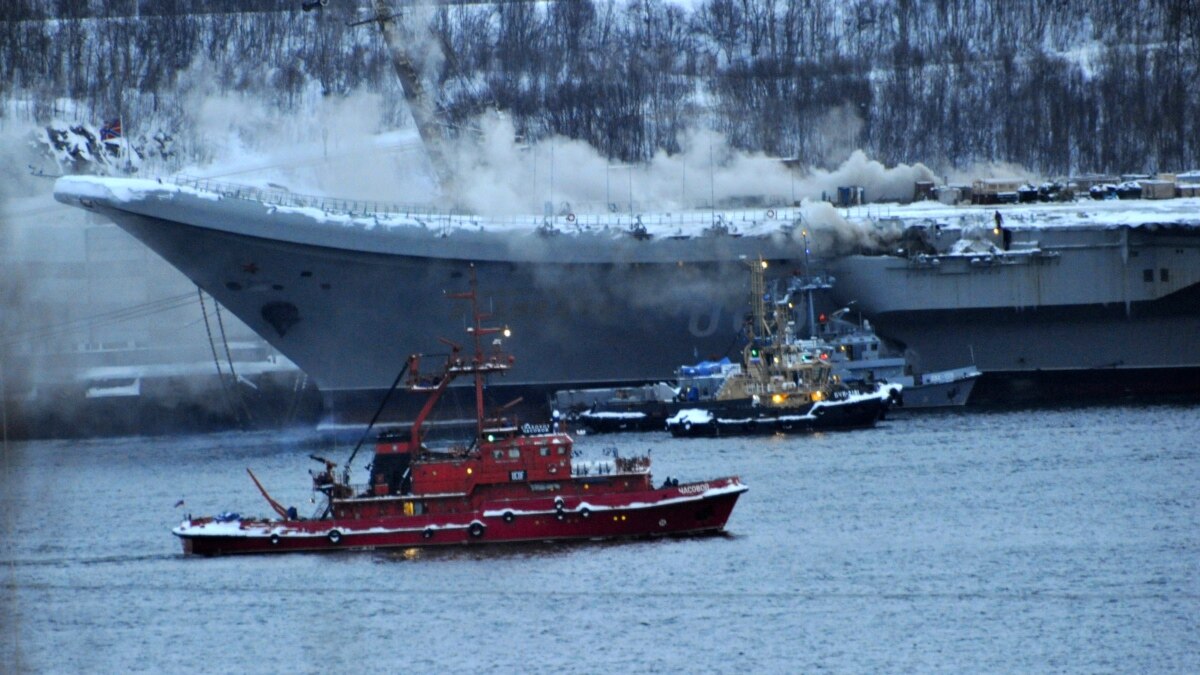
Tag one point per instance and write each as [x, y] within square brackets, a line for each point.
[350, 317]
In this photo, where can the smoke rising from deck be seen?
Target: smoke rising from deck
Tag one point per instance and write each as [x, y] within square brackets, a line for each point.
[334, 146]
[503, 176]
[338, 147]
[983, 170]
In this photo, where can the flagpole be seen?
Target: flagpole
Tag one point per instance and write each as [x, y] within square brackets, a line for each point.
[124, 150]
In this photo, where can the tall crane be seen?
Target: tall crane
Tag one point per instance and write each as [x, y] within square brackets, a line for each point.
[399, 39]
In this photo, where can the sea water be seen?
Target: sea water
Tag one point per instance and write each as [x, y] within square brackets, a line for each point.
[970, 541]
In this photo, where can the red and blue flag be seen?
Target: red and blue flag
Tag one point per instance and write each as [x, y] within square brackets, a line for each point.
[111, 129]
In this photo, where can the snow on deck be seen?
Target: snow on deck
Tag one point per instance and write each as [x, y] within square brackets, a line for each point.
[762, 221]
[123, 189]
[1080, 213]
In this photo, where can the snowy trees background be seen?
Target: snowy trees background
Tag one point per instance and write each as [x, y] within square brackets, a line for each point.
[1058, 86]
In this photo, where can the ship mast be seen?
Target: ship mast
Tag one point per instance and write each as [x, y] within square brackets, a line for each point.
[756, 359]
[809, 283]
[481, 365]
[478, 364]
[758, 302]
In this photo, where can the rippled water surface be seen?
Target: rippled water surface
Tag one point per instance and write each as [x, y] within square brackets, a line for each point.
[1049, 540]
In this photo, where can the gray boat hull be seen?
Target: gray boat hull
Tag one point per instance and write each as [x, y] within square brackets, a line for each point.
[941, 395]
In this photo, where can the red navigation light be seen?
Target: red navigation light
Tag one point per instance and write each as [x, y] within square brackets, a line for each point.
[821, 318]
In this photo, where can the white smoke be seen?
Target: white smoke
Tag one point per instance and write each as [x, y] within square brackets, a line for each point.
[984, 170]
[332, 145]
[501, 176]
[831, 234]
[337, 146]
[879, 183]
[20, 156]
[836, 135]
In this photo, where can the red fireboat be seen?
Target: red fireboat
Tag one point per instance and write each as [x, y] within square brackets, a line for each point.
[512, 483]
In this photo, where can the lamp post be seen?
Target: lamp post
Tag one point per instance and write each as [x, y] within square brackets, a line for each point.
[608, 186]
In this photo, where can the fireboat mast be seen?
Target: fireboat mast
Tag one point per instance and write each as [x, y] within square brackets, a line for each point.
[479, 365]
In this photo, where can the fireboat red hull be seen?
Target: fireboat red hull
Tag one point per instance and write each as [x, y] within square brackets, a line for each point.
[685, 509]
[511, 483]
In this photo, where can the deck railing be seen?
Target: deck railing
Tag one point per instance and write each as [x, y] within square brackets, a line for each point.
[686, 222]
[284, 197]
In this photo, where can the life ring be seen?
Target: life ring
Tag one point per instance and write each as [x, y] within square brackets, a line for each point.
[585, 512]
[558, 503]
[687, 426]
[274, 539]
[771, 213]
[570, 217]
[476, 530]
[427, 533]
[334, 536]
[509, 516]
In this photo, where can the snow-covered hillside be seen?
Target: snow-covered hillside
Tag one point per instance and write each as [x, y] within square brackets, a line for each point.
[1062, 87]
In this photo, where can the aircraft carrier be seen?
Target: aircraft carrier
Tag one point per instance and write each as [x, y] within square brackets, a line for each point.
[1095, 297]
[1086, 297]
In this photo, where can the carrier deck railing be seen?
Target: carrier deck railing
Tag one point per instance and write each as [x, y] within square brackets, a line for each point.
[720, 221]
